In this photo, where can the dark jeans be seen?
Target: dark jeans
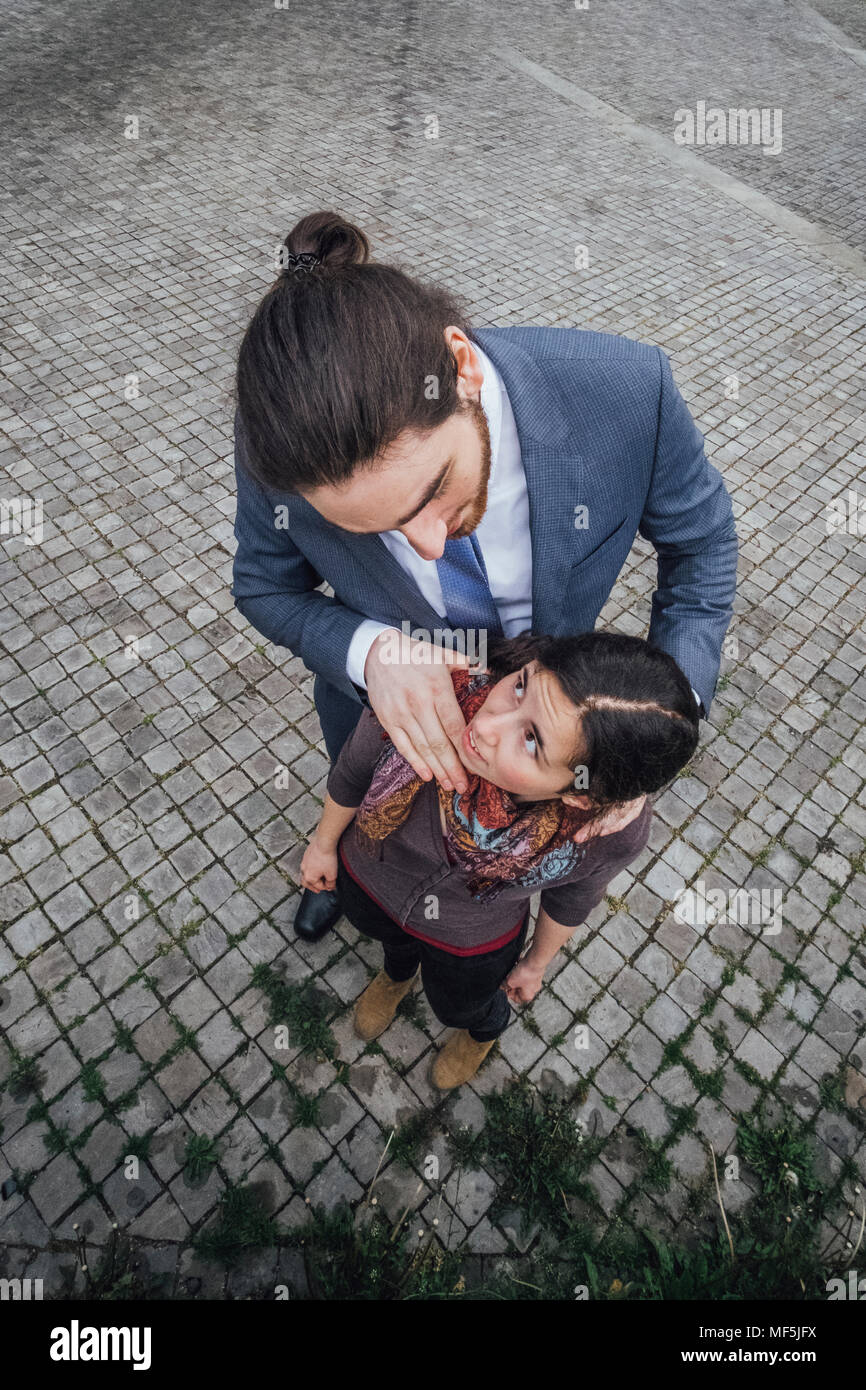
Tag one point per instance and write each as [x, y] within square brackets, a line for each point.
[338, 715]
[463, 991]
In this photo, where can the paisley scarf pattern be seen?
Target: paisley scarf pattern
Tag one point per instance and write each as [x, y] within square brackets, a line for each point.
[494, 839]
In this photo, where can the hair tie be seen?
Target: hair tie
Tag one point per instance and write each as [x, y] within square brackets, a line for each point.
[300, 263]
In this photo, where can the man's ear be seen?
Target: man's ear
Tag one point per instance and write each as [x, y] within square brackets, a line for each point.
[577, 800]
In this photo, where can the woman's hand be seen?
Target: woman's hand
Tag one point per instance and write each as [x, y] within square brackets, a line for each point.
[318, 868]
[524, 982]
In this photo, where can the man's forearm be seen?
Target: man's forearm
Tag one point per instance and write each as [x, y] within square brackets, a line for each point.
[688, 517]
[689, 618]
[313, 626]
[275, 586]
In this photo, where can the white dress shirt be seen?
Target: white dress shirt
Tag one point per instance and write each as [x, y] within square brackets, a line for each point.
[503, 534]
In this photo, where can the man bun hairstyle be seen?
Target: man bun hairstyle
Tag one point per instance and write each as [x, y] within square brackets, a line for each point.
[328, 236]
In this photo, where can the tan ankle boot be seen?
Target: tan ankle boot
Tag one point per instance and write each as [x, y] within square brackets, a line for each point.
[458, 1060]
[378, 1004]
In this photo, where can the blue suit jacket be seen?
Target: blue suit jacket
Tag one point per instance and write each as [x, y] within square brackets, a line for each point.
[601, 425]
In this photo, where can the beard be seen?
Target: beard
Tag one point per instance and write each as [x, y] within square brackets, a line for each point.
[478, 506]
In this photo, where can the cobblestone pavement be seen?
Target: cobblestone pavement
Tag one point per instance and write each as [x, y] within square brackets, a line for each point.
[147, 862]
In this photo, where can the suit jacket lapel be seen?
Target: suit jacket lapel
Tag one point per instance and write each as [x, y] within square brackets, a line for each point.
[553, 468]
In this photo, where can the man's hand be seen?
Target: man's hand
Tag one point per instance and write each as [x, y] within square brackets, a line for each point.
[412, 695]
[611, 821]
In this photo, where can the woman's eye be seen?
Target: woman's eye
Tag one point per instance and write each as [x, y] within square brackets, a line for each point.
[519, 687]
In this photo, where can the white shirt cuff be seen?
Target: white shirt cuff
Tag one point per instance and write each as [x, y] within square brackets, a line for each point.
[363, 638]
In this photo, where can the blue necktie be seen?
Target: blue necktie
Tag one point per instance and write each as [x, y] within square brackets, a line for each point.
[465, 587]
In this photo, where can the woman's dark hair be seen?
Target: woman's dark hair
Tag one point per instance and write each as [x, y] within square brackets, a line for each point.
[638, 719]
[338, 361]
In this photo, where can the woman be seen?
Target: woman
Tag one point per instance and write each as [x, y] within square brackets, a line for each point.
[560, 731]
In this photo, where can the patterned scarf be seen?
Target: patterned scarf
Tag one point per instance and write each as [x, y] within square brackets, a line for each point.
[493, 838]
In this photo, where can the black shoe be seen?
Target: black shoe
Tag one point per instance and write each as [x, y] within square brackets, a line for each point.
[317, 913]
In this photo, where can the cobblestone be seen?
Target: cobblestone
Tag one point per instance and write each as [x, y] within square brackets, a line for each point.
[147, 862]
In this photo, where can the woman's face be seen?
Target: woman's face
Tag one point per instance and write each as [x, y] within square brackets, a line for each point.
[523, 736]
